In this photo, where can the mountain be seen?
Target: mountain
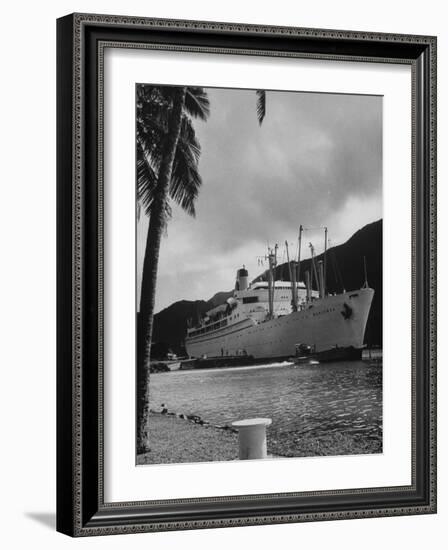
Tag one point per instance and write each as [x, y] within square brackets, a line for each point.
[170, 323]
[345, 269]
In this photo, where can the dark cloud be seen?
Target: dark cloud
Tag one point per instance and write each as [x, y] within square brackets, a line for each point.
[315, 158]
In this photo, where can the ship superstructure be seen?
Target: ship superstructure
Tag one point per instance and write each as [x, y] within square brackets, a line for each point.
[269, 319]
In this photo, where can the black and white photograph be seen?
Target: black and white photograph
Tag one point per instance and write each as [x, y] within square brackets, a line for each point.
[220, 302]
[259, 274]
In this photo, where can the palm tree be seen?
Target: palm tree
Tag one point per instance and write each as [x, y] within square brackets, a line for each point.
[167, 167]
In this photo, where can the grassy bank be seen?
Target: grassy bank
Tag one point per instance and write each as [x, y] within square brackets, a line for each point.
[174, 440]
[292, 444]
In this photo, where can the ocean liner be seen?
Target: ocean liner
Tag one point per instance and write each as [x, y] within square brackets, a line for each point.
[275, 319]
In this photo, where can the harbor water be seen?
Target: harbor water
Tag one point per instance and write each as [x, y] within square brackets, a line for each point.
[342, 399]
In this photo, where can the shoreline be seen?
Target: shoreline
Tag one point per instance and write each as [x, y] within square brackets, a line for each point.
[371, 358]
[180, 438]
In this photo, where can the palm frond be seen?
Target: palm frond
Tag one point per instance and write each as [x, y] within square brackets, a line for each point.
[152, 125]
[187, 139]
[261, 105]
[185, 179]
[197, 104]
[154, 104]
[185, 184]
[146, 181]
[147, 184]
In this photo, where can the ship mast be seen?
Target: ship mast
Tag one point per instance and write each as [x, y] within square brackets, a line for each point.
[292, 278]
[299, 253]
[324, 289]
[366, 283]
[313, 263]
[308, 285]
[272, 257]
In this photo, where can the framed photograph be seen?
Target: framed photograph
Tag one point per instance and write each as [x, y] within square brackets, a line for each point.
[246, 274]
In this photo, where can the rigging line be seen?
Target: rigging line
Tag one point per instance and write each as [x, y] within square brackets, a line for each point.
[340, 274]
[339, 271]
[334, 264]
[336, 276]
[330, 255]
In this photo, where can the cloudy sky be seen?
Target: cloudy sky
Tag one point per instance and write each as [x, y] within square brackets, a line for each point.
[316, 161]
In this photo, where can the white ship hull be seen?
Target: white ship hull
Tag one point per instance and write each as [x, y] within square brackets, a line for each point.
[326, 323]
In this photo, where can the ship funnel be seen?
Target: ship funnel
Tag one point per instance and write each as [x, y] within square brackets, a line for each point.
[242, 279]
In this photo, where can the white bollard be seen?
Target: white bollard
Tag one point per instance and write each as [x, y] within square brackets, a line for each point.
[252, 437]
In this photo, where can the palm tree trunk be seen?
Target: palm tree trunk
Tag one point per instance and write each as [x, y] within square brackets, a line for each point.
[150, 264]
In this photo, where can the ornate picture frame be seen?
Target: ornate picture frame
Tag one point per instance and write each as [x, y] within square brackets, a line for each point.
[81, 506]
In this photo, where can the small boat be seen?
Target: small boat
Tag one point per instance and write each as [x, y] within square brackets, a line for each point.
[306, 354]
[173, 365]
